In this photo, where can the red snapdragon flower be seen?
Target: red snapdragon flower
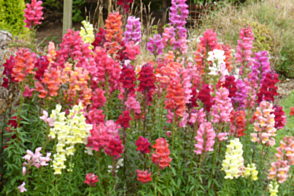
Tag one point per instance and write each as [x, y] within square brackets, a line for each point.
[124, 119]
[125, 4]
[99, 38]
[292, 111]
[144, 176]
[231, 85]
[115, 147]
[41, 65]
[143, 145]
[128, 79]
[280, 118]
[147, 80]
[205, 96]
[91, 179]
[268, 89]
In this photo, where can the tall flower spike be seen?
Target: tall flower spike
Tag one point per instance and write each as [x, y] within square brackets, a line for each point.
[222, 108]
[245, 44]
[87, 33]
[133, 30]
[161, 155]
[264, 125]
[155, 45]
[205, 138]
[33, 13]
[233, 162]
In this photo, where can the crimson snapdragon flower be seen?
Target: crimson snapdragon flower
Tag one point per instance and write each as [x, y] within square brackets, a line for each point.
[91, 179]
[147, 80]
[268, 89]
[143, 145]
[205, 96]
[124, 119]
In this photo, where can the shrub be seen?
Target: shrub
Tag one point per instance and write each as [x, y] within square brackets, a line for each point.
[11, 16]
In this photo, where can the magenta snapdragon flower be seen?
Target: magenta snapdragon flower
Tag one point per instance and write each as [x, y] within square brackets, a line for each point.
[178, 15]
[205, 136]
[155, 44]
[133, 32]
[33, 13]
[261, 66]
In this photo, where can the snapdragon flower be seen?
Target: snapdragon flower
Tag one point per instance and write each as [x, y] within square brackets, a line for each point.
[233, 163]
[273, 188]
[250, 171]
[87, 33]
[69, 130]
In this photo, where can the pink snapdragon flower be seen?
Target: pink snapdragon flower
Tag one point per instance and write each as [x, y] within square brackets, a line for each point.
[261, 66]
[205, 136]
[28, 92]
[91, 179]
[133, 104]
[279, 170]
[222, 108]
[22, 188]
[132, 50]
[197, 116]
[264, 125]
[245, 44]
[45, 118]
[209, 40]
[33, 13]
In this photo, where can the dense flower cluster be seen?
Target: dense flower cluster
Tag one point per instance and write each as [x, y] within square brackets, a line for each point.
[33, 13]
[245, 44]
[222, 108]
[250, 171]
[87, 33]
[91, 179]
[205, 138]
[143, 145]
[264, 125]
[147, 80]
[133, 30]
[233, 163]
[24, 64]
[69, 130]
[144, 176]
[113, 33]
[268, 89]
[161, 155]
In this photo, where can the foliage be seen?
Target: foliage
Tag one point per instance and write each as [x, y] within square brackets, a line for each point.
[11, 16]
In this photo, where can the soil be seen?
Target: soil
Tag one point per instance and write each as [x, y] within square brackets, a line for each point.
[52, 32]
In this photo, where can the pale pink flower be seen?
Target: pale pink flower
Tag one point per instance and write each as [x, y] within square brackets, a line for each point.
[50, 121]
[222, 108]
[21, 188]
[168, 133]
[133, 104]
[197, 116]
[24, 170]
[222, 136]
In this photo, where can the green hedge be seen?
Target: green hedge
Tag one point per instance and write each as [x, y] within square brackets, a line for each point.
[11, 16]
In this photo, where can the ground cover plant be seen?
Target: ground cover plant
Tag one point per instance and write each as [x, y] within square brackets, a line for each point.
[95, 120]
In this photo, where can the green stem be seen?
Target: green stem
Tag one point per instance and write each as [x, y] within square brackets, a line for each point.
[157, 172]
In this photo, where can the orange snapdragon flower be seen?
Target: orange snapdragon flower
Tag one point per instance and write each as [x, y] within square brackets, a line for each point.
[113, 32]
[175, 98]
[24, 64]
[200, 58]
[161, 155]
